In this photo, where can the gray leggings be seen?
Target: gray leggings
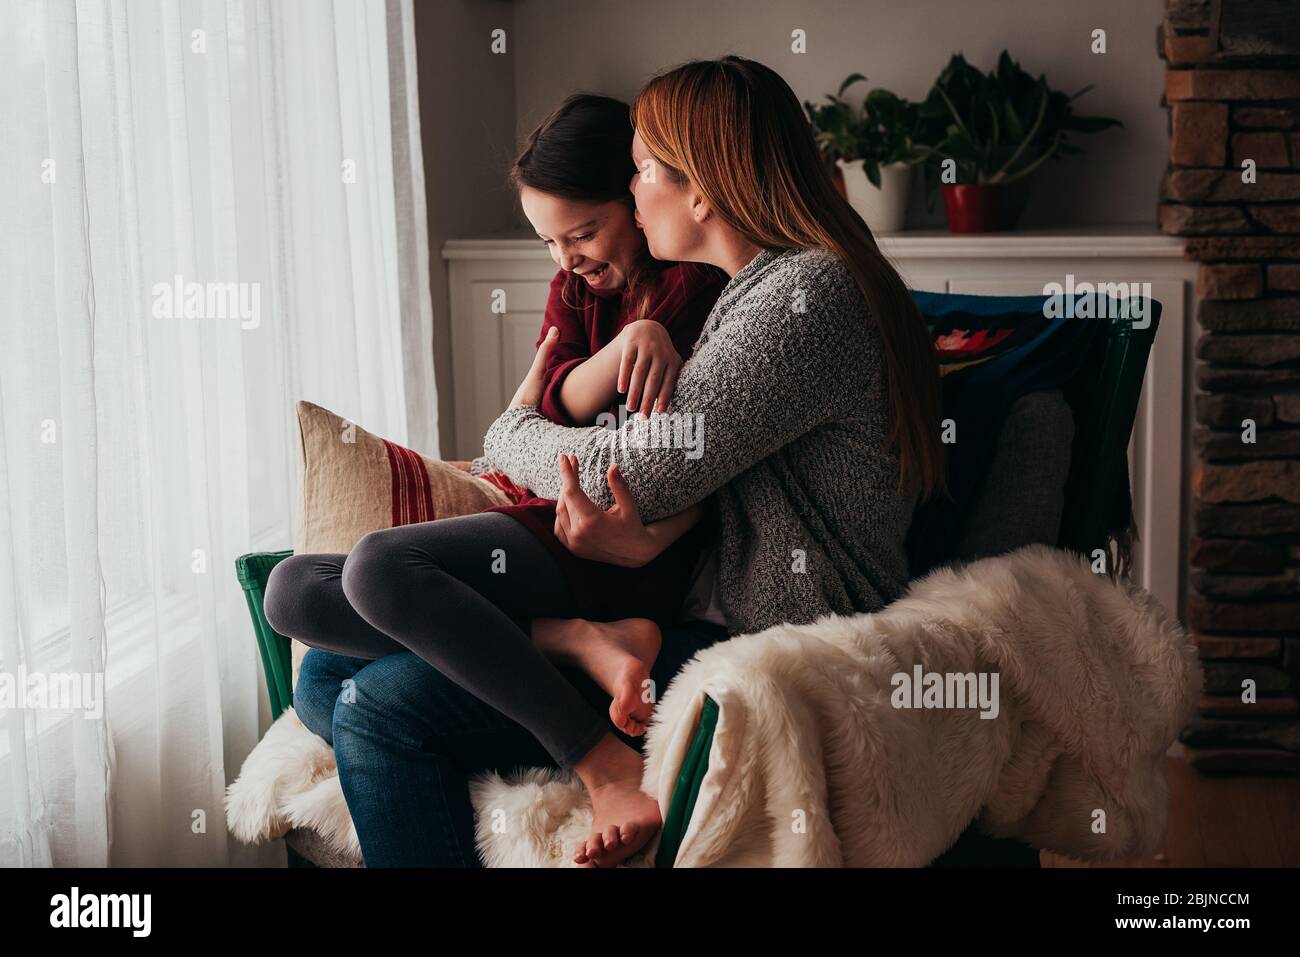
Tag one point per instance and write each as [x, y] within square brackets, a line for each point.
[459, 592]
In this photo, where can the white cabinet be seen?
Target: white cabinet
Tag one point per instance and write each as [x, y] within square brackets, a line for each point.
[498, 293]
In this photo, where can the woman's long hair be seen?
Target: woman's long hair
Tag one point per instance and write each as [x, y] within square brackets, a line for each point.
[735, 129]
[583, 151]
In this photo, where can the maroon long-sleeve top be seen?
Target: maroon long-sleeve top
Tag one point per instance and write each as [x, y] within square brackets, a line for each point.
[588, 320]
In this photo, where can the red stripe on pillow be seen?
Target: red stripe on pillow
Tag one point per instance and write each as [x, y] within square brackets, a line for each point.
[423, 490]
[408, 486]
[395, 471]
[412, 493]
[421, 496]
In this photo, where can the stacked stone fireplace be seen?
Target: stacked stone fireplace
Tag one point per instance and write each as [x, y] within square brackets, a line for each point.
[1232, 188]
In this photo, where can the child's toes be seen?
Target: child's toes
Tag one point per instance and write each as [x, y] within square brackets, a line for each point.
[641, 712]
[611, 837]
[625, 720]
[617, 715]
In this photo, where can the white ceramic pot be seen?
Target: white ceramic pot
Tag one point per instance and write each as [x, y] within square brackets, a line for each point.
[884, 209]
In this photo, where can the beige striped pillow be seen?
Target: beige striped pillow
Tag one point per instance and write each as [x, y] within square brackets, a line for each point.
[354, 482]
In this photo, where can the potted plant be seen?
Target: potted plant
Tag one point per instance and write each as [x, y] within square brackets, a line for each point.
[996, 130]
[873, 147]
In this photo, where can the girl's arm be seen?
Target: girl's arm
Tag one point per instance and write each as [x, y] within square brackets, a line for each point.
[590, 387]
[645, 358]
[756, 385]
[578, 386]
[569, 354]
[641, 361]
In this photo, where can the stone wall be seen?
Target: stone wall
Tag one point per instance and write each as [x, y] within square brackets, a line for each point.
[1233, 188]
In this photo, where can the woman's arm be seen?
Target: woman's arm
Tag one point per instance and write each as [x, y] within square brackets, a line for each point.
[758, 383]
[616, 536]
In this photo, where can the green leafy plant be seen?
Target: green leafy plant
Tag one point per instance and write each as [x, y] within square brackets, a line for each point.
[882, 130]
[999, 127]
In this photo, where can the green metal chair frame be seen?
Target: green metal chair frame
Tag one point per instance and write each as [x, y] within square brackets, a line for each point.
[1112, 381]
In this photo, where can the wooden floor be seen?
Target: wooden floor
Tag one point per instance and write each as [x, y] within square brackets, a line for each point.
[1223, 821]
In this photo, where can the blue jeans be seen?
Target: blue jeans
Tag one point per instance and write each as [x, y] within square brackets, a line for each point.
[406, 740]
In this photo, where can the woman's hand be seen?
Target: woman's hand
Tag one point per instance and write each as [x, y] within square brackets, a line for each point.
[615, 537]
[648, 369]
[530, 390]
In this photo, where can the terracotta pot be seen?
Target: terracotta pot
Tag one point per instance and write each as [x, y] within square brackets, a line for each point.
[972, 207]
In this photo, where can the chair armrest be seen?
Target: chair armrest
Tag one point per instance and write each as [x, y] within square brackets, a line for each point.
[253, 570]
[687, 789]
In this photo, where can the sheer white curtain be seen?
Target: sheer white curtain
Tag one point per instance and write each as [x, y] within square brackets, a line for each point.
[261, 157]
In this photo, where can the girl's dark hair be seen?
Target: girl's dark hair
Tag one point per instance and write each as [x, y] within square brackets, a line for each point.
[583, 151]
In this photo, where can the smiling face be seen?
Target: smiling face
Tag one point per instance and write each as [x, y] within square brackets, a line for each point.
[597, 241]
[667, 210]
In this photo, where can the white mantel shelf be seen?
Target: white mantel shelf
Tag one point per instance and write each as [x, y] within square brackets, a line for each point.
[1138, 241]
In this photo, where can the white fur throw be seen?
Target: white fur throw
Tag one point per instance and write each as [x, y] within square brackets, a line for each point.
[812, 764]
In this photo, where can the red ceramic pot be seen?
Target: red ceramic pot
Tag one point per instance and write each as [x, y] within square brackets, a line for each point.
[972, 208]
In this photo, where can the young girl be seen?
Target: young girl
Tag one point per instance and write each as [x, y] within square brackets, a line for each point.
[618, 322]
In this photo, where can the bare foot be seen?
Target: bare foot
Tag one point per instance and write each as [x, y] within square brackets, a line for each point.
[617, 654]
[624, 818]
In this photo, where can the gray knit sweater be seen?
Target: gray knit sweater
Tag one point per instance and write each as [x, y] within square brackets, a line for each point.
[788, 383]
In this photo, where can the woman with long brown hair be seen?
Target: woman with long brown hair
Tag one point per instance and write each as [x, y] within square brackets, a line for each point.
[815, 379]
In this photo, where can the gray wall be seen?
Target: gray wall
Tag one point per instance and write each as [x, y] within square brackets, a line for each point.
[467, 128]
[613, 46]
